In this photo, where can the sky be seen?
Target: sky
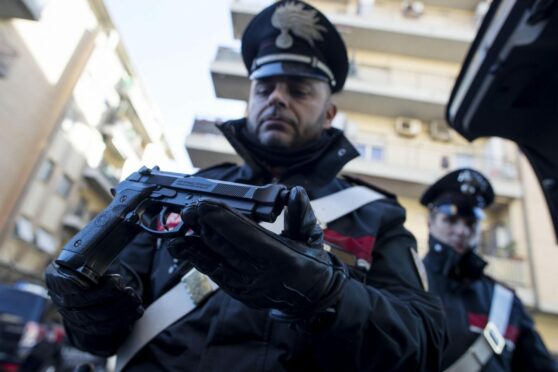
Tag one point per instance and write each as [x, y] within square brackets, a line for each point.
[171, 44]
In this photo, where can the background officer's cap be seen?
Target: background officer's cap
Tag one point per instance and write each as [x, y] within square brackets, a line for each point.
[462, 191]
[291, 38]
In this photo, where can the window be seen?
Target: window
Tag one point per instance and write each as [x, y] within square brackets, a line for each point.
[81, 207]
[45, 241]
[445, 162]
[377, 153]
[7, 54]
[64, 186]
[361, 149]
[24, 229]
[412, 8]
[45, 170]
[498, 241]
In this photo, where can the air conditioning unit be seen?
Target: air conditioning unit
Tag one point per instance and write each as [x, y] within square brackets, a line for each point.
[408, 127]
[440, 131]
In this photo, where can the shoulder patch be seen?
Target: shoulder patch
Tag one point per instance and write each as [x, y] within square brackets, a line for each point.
[358, 181]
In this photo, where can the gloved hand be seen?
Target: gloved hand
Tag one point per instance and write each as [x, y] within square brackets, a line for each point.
[289, 272]
[108, 307]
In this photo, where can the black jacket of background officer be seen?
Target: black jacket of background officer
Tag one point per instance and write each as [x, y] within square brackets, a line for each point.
[467, 305]
[385, 321]
[465, 290]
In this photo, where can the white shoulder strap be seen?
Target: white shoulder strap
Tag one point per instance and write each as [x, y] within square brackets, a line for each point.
[500, 309]
[491, 341]
[333, 206]
[166, 310]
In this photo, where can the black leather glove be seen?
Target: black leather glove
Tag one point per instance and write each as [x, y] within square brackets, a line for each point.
[289, 272]
[110, 306]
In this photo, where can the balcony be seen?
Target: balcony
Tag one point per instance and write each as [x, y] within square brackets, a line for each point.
[405, 167]
[73, 222]
[514, 272]
[459, 4]
[441, 33]
[101, 181]
[206, 149]
[136, 104]
[25, 9]
[370, 89]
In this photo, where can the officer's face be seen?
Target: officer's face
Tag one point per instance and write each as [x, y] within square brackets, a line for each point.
[286, 112]
[458, 232]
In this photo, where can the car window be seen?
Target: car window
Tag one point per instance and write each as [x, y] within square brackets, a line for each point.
[28, 306]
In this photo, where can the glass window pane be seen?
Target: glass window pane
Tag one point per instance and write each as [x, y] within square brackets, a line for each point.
[45, 241]
[377, 153]
[45, 170]
[64, 186]
[361, 148]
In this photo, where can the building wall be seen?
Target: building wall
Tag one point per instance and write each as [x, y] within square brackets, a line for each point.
[36, 88]
[71, 127]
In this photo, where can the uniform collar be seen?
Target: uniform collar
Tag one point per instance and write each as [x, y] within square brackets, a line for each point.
[314, 173]
[445, 260]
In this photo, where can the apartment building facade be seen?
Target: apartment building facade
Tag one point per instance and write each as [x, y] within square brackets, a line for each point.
[405, 56]
[74, 120]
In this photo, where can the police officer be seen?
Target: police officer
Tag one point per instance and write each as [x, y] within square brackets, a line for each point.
[343, 297]
[489, 328]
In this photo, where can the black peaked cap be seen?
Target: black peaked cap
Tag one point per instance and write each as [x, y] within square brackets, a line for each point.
[465, 187]
[291, 38]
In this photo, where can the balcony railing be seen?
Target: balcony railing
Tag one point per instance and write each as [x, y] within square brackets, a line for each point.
[372, 89]
[438, 33]
[397, 81]
[512, 271]
[102, 179]
[428, 157]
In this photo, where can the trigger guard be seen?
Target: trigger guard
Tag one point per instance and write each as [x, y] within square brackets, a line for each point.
[175, 232]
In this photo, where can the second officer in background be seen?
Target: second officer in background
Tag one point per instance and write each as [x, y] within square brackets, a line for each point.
[489, 328]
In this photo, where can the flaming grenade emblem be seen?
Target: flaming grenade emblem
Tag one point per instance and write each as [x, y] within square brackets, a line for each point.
[301, 22]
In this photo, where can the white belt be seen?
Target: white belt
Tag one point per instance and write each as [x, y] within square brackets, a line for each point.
[173, 305]
[490, 342]
[333, 206]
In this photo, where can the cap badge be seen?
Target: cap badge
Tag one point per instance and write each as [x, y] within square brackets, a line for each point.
[467, 188]
[301, 22]
[471, 183]
[465, 176]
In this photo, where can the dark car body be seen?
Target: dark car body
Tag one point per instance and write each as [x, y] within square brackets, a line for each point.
[30, 336]
[508, 86]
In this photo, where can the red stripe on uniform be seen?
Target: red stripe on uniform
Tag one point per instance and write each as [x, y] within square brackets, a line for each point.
[480, 320]
[511, 333]
[360, 247]
[477, 320]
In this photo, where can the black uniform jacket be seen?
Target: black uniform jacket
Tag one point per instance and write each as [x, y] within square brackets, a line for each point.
[385, 321]
[467, 300]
